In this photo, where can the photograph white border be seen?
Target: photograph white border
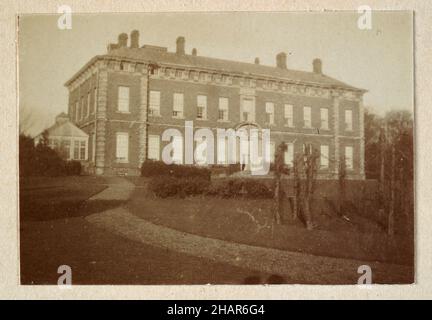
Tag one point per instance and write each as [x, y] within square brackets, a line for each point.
[9, 229]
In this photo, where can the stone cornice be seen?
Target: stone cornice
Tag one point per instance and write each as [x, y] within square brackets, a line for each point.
[218, 77]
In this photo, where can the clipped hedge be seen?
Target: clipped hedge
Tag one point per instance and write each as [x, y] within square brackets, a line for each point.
[249, 188]
[168, 186]
[159, 168]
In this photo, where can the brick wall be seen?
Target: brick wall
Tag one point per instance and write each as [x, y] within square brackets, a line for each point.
[108, 121]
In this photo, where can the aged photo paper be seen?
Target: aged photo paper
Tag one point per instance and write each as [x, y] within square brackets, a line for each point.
[216, 151]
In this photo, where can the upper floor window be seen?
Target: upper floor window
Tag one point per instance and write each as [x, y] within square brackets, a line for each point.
[223, 109]
[178, 105]
[247, 113]
[270, 112]
[348, 120]
[307, 117]
[324, 118]
[324, 156]
[349, 157]
[289, 115]
[122, 146]
[123, 99]
[201, 107]
[154, 103]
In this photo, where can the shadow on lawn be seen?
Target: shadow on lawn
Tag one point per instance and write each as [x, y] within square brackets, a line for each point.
[51, 210]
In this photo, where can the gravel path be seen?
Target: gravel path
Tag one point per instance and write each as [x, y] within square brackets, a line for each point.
[301, 267]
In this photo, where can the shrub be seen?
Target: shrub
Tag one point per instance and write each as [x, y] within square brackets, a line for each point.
[41, 160]
[232, 188]
[158, 168]
[154, 168]
[164, 186]
[167, 186]
[48, 162]
[233, 168]
[73, 168]
[194, 186]
[257, 189]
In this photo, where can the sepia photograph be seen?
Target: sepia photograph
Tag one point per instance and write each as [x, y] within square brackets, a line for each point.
[216, 148]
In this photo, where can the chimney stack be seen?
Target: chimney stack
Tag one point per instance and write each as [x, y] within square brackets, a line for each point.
[317, 66]
[281, 60]
[257, 60]
[122, 40]
[134, 39]
[194, 51]
[180, 48]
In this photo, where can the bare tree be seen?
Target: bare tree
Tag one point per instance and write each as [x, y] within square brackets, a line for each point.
[305, 172]
[280, 170]
[381, 191]
[297, 187]
[342, 185]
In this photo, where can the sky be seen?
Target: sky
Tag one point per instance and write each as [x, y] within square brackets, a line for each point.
[379, 60]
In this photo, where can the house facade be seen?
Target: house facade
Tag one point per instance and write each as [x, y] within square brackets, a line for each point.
[125, 99]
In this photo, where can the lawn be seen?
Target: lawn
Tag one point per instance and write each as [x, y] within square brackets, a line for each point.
[45, 198]
[249, 221]
[97, 256]
[52, 216]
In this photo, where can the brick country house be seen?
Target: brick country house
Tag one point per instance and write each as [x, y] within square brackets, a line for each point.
[127, 97]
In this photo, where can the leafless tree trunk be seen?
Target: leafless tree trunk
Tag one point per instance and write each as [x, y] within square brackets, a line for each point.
[278, 199]
[390, 229]
[297, 189]
[381, 190]
[279, 171]
[310, 170]
[342, 186]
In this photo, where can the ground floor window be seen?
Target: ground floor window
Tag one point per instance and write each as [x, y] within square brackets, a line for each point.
[349, 161]
[83, 150]
[65, 149]
[201, 152]
[324, 156]
[122, 146]
[272, 151]
[76, 150]
[154, 147]
[222, 151]
[177, 150]
[289, 154]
